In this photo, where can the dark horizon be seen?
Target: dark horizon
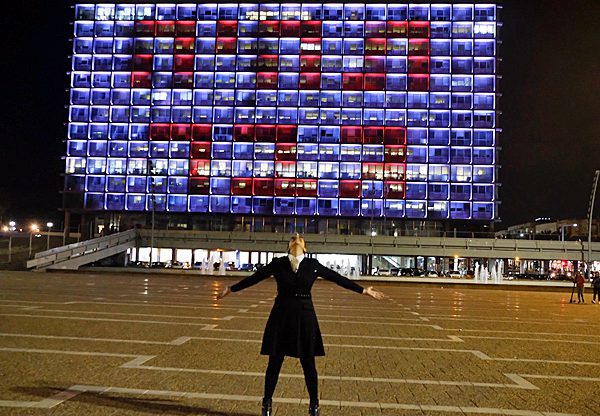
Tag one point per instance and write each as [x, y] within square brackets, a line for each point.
[550, 145]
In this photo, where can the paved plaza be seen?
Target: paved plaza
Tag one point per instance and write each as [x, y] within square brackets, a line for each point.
[117, 344]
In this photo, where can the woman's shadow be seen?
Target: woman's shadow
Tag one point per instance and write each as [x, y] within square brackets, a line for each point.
[149, 405]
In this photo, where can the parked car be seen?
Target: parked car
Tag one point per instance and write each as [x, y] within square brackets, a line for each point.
[431, 273]
[248, 267]
[230, 266]
[175, 265]
[198, 265]
[454, 275]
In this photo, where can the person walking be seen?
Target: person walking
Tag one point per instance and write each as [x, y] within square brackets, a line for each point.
[596, 286]
[580, 281]
[292, 329]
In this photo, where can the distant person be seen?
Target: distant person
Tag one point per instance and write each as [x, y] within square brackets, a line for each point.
[580, 281]
[292, 328]
[596, 286]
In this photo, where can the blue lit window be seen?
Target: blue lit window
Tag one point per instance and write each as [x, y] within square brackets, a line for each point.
[262, 205]
[438, 191]
[121, 80]
[220, 186]
[95, 183]
[117, 167]
[124, 29]
[205, 45]
[460, 210]
[352, 99]
[440, 12]
[396, 82]
[101, 79]
[353, 46]
[159, 149]
[94, 201]
[483, 192]
[178, 184]
[461, 155]
[81, 79]
[439, 155]
[115, 184]
[263, 151]
[287, 116]
[332, 29]
[354, 29]
[327, 207]
[333, 11]
[84, 29]
[242, 168]
[156, 184]
[354, 12]
[309, 98]
[483, 138]
[76, 148]
[83, 46]
[177, 203]
[117, 149]
[97, 148]
[439, 136]
[349, 170]
[460, 192]
[483, 211]
[207, 12]
[415, 209]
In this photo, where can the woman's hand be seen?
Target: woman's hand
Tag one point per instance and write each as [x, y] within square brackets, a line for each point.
[224, 293]
[375, 294]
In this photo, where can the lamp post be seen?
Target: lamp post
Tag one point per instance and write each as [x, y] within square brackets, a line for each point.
[49, 225]
[11, 228]
[33, 228]
[590, 215]
[153, 200]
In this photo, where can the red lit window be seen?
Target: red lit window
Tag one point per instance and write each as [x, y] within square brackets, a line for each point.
[181, 132]
[165, 28]
[418, 29]
[241, 186]
[306, 187]
[395, 135]
[141, 80]
[160, 131]
[144, 28]
[375, 46]
[310, 63]
[311, 28]
[183, 80]
[310, 80]
[375, 64]
[199, 186]
[265, 133]
[285, 187]
[350, 189]
[397, 29]
[268, 28]
[418, 47]
[393, 171]
[184, 45]
[310, 45]
[266, 80]
[200, 167]
[351, 134]
[352, 81]
[184, 63]
[372, 171]
[142, 62]
[268, 62]
[227, 28]
[243, 133]
[394, 154]
[226, 45]
[287, 134]
[200, 150]
[393, 190]
[418, 82]
[262, 187]
[201, 132]
[373, 135]
[186, 28]
[285, 151]
[290, 28]
[418, 64]
[374, 82]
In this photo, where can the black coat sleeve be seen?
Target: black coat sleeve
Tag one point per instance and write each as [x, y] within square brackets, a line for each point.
[260, 275]
[328, 274]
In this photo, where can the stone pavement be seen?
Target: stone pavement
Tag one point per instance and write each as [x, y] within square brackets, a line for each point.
[122, 344]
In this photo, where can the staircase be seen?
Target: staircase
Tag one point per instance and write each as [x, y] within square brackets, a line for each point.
[73, 256]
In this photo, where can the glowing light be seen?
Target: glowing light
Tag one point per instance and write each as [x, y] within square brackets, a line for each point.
[49, 224]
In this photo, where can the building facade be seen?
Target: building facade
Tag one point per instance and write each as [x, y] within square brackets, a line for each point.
[285, 110]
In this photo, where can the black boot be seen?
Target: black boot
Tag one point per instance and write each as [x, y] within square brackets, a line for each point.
[313, 410]
[267, 407]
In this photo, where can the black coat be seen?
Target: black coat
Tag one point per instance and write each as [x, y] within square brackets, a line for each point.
[292, 328]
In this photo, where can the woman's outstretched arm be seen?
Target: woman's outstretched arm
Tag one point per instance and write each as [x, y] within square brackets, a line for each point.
[328, 274]
[259, 275]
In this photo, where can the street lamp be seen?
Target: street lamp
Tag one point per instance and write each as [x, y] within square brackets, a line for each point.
[32, 229]
[49, 225]
[11, 228]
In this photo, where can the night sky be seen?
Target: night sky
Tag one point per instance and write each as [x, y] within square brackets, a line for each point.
[550, 104]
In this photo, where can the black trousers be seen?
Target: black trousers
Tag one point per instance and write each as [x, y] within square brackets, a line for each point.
[597, 293]
[310, 377]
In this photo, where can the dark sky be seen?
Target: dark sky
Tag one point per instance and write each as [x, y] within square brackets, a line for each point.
[550, 105]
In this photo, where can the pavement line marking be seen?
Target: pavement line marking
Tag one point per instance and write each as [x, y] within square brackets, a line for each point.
[567, 341]
[226, 318]
[112, 320]
[48, 403]
[298, 401]
[520, 332]
[518, 382]
[84, 353]
[177, 341]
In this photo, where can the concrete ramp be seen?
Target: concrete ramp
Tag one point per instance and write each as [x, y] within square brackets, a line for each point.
[73, 256]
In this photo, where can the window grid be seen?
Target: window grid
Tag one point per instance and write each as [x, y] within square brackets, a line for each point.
[285, 109]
